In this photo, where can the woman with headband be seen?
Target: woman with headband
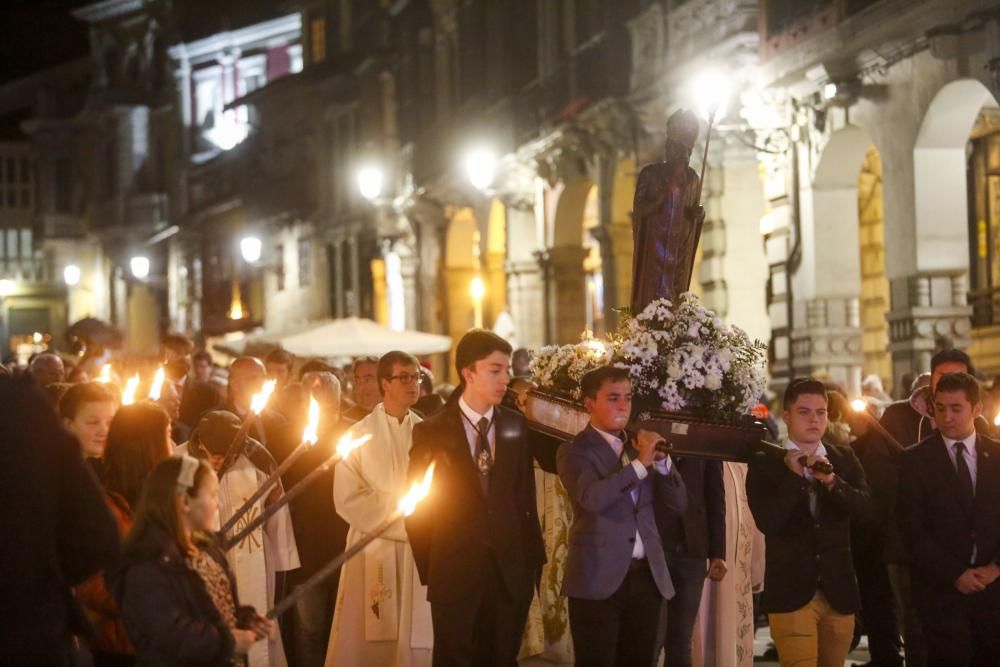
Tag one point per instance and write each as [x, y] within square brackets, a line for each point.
[177, 595]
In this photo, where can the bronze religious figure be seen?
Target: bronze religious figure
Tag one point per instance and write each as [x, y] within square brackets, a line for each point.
[667, 218]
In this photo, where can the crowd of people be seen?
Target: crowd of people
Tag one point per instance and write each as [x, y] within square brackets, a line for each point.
[121, 512]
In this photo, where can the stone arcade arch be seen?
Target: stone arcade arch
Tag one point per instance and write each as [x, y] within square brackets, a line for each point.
[827, 337]
[936, 310]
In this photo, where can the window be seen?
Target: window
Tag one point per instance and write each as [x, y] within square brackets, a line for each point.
[305, 263]
[279, 251]
[317, 39]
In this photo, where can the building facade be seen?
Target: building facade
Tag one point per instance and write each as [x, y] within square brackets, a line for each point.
[849, 190]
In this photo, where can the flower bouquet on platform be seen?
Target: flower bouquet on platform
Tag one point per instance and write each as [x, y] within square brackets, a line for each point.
[695, 380]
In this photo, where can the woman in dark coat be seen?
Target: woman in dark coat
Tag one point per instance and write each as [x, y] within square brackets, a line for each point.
[175, 590]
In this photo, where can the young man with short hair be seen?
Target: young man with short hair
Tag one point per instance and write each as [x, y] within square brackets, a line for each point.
[805, 509]
[616, 575]
[949, 514]
[476, 539]
[392, 628]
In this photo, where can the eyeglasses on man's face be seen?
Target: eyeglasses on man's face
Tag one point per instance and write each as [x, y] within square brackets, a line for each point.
[406, 378]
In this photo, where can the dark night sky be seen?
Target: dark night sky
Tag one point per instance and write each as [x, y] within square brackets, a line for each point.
[35, 34]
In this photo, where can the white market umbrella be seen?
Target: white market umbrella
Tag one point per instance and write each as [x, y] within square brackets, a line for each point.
[356, 337]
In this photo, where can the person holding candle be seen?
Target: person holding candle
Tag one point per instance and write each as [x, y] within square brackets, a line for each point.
[805, 513]
[382, 616]
[364, 388]
[177, 594]
[476, 540]
[949, 515]
[265, 551]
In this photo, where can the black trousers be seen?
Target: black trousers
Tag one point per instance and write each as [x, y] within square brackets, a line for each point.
[878, 603]
[622, 630]
[961, 630]
[688, 577]
[485, 628]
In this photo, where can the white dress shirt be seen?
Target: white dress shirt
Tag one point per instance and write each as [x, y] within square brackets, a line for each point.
[813, 498]
[662, 466]
[471, 433]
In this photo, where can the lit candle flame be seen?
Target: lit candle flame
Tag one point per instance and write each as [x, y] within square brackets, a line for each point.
[157, 386]
[859, 405]
[418, 491]
[311, 432]
[260, 399]
[105, 376]
[347, 444]
[128, 396]
[996, 420]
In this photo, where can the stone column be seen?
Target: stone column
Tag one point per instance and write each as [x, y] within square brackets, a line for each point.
[338, 278]
[567, 293]
[354, 302]
[527, 302]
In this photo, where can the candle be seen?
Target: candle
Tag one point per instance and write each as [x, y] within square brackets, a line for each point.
[346, 445]
[310, 435]
[861, 407]
[128, 395]
[407, 504]
[257, 404]
[157, 386]
[105, 376]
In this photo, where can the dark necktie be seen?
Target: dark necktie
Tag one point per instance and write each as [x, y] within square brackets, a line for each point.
[964, 476]
[484, 459]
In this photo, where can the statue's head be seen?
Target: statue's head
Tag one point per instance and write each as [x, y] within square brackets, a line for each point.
[682, 130]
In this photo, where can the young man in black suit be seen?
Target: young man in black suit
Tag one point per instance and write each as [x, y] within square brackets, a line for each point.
[949, 515]
[476, 539]
[804, 510]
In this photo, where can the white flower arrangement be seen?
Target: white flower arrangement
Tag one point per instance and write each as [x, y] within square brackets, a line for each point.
[679, 357]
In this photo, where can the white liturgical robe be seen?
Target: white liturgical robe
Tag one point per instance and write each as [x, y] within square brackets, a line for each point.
[382, 616]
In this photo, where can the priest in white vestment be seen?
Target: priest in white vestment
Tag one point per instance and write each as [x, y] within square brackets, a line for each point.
[382, 618]
[270, 548]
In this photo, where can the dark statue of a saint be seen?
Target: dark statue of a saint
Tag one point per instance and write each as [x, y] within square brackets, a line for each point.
[667, 218]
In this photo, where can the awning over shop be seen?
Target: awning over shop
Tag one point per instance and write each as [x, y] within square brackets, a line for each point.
[348, 337]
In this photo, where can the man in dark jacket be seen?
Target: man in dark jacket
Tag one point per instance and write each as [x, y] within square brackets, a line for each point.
[695, 546]
[949, 513]
[477, 542]
[805, 511]
[909, 422]
[57, 529]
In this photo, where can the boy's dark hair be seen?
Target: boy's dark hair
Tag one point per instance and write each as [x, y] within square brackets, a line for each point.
[801, 387]
[202, 355]
[593, 380]
[955, 356]
[314, 366]
[85, 392]
[385, 363]
[959, 382]
[478, 344]
[279, 356]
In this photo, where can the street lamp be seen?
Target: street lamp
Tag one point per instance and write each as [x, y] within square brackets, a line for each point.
[370, 180]
[71, 275]
[711, 90]
[480, 164]
[250, 248]
[478, 291]
[140, 267]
